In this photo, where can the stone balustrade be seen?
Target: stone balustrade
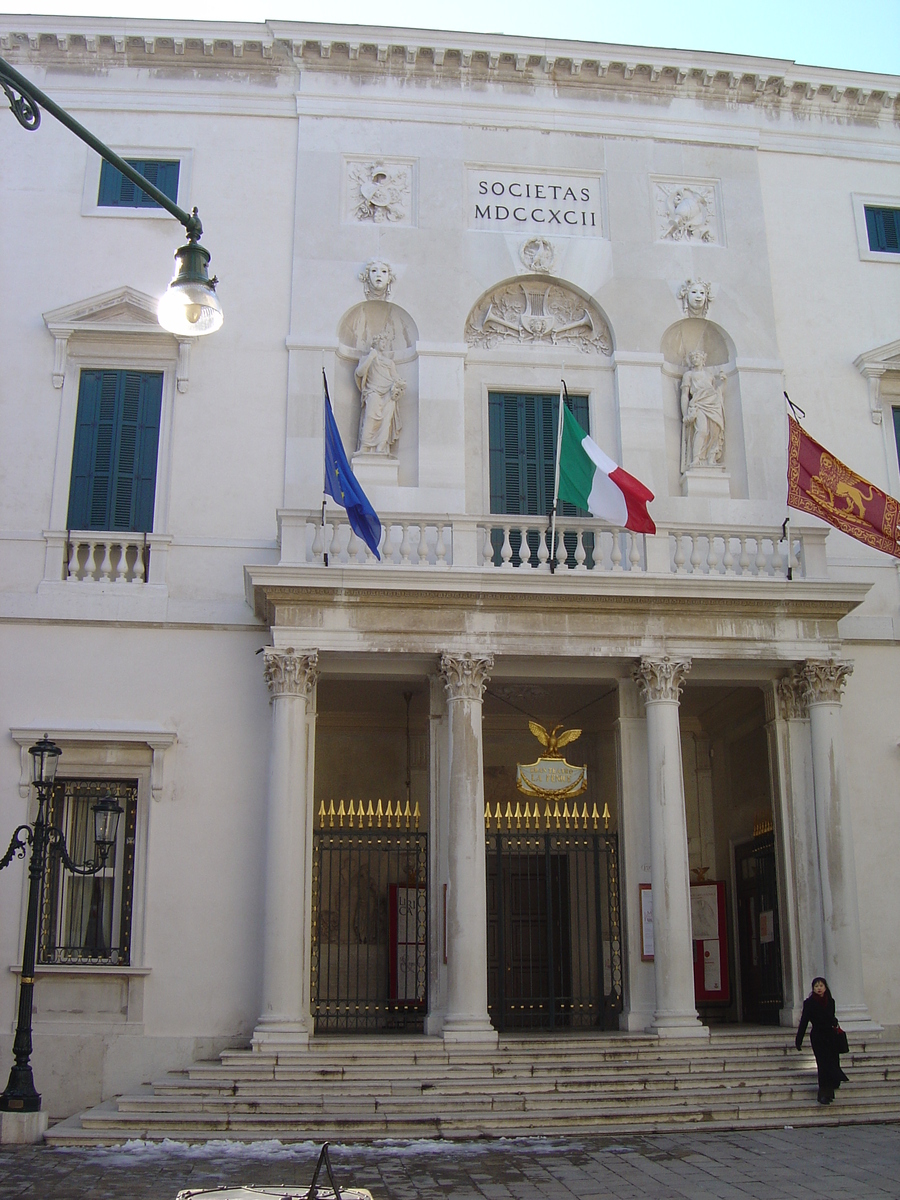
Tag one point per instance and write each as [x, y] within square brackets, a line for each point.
[516, 543]
[86, 557]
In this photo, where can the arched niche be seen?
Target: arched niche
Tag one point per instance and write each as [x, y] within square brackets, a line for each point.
[678, 343]
[538, 311]
[357, 329]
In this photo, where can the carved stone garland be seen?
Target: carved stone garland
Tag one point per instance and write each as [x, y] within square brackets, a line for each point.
[289, 673]
[660, 678]
[536, 312]
[466, 676]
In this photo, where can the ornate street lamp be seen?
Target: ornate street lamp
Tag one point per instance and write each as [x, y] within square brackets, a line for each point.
[190, 306]
[20, 1094]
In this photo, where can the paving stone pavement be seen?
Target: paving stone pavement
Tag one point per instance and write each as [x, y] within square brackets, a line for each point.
[836, 1163]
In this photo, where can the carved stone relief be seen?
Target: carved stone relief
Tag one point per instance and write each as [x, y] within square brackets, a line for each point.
[466, 675]
[686, 212]
[538, 255]
[791, 690]
[379, 192]
[377, 278]
[534, 312]
[695, 296]
[289, 672]
[824, 680]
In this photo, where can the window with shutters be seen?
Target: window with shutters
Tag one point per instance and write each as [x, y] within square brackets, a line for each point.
[877, 227]
[113, 481]
[883, 229]
[107, 193]
[87, 919]
[523, 431]
[116, 191]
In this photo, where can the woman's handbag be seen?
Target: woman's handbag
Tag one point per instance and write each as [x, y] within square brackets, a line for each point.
[840, 1041]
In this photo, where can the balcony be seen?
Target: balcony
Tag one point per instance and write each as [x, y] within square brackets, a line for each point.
[522, 544]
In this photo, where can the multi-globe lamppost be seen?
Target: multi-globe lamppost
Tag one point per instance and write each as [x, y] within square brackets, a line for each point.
[189, 306]
[45, 839]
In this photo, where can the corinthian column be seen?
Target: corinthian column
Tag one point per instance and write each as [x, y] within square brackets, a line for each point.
[465, 677]
[291, 677]
[660, 681]
[823, 684]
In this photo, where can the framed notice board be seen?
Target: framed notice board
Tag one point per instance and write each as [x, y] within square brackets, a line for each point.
[709, 932]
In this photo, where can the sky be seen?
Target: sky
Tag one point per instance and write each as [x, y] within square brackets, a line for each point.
[861, 35]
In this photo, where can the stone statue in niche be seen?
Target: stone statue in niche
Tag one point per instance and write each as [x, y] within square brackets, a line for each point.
[380, 193]
[537, 255]
[695, 296]
[380, 388]
[686, 213]
[377, 278]
[703, 414]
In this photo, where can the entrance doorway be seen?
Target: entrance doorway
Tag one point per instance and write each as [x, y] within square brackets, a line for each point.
[554, 949]
[759, 940]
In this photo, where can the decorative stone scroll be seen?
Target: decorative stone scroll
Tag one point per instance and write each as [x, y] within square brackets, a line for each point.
[379, 192]
[791, 690]
[289, 673]
[536, 312]
[660, 678]
[823, 680]
[466, 675]
[686, 212]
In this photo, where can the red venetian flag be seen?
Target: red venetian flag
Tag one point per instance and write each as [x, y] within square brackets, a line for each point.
[821, 484]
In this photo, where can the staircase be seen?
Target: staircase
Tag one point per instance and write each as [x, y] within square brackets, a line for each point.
[356, 1088]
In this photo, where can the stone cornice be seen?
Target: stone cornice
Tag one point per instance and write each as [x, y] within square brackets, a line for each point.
[372, 50]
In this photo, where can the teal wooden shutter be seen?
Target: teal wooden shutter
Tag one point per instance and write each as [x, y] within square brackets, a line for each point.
[522, 454]
[113, 484]
[118, 192]
[883, 228]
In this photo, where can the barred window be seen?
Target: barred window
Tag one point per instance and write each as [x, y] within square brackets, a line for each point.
[86, 919]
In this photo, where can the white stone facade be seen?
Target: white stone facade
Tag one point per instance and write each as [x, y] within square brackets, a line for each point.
[543, 209]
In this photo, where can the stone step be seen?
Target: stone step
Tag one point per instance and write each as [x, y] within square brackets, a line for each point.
[416, 1087]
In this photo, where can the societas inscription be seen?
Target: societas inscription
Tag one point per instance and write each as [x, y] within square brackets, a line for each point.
[553, 203]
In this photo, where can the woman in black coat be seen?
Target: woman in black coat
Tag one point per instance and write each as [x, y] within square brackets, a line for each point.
[818, 1013]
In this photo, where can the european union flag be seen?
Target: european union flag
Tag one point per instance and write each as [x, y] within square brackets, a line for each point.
[343, 487]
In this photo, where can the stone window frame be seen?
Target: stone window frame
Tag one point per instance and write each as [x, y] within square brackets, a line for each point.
[91, 193]
[860, 201]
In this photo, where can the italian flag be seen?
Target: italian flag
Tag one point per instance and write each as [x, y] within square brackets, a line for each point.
[590, 479]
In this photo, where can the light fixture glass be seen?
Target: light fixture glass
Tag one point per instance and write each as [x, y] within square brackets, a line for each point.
[190, 306]
[44, 758]
[106, 823]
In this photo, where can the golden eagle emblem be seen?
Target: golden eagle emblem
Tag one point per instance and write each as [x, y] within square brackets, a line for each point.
[554, 740]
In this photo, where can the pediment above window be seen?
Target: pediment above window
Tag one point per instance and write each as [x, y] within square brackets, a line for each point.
[121, 318]
[874, 364]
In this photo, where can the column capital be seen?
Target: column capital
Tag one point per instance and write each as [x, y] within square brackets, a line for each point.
[466, 675]
[791, 692]
[823, 680]
[290, 672]
[660, 678]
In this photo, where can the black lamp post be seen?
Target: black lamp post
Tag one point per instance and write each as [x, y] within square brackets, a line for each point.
[20, 1094]
[190, 306]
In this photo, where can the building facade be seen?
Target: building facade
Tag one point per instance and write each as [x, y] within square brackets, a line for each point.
[317, 751]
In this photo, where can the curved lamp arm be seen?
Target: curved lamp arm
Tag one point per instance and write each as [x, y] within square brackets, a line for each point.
[17, 845]
[56, 841]
[26, 102]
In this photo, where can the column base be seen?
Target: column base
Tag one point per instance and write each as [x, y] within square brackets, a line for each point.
[855, 1018]
[679, 1027]
[273, 1035]
[635, 1021]
[22, 1129]
[469, 1029]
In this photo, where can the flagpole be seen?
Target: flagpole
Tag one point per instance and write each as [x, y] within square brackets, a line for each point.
[559, 432]
[324, 468]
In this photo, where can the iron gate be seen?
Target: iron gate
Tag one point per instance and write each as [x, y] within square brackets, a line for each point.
[554, 942]
[369, 950]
